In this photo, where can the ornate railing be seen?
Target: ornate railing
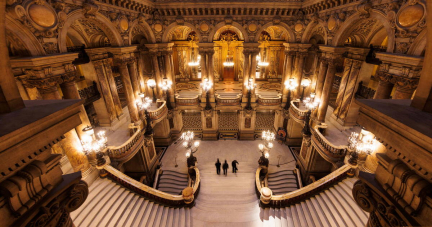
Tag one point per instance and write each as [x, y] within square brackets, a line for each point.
[269, 101]
[225, 100]
[332, 152]
[158, 114]
[187, 101]
[268, 199]
[126, 151]
[184, 200]
[89, 94]
[296, 112]
[364, 92]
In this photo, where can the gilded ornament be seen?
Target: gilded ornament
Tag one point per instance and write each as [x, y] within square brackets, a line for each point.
[158, 27]
[331, 23]
[411, 15]
[298, 27]
[42, 15]
[252, 27]
[204, 27]
[124, 25]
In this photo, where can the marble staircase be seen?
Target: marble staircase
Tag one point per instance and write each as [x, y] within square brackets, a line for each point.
[172, 182]
[282, 182]
[110, 204]
[332, 207]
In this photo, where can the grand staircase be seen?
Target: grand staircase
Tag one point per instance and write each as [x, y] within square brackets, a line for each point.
[172, 182]
[332, 207]
[282, 182]
[110, 204]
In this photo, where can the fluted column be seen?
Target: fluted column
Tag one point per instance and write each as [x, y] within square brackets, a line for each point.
[321, 77]
[345, 76]
[129, 92]
[113, 87]
[133, 73]
[105, 89]
[322, 110]
[405, 88]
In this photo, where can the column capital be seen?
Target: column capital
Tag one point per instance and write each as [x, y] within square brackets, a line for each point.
[47, 84]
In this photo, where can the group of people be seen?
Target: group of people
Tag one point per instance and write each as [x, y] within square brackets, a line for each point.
[225, 167]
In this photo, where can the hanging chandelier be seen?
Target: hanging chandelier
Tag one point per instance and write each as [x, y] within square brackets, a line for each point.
[228, 37]
[262, 63]
[229, 60]
[194, 61]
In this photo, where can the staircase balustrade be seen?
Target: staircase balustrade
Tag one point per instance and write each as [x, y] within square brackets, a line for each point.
[187, 101]
[326, 147]
[296, 113]
[300, 194]
[269, 101]
[161, 112]
[223, 100]
[152, 193]
[126, 151]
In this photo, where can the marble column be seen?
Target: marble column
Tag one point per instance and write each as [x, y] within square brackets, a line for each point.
[321, 77]
[113, 87]
[104, 89]
[49, 93]
[157, 71]
[384, 89]
[247, 54]
[299, 71]
[141, 69]
[169, 69]
[350, 90]
[288, 70]
[72, 147]
[345, 76]
[133, 73]
[254, 62]
[325, 96]
[210, 71]
[405, 88]
[129, 92]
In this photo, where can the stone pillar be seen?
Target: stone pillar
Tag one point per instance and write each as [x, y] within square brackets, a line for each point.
[169, 69]
[49, 93]
[322, 110]
[73, 150]
[384, 89]
[113, 87]
[350, 90]
[345, 76]
[104, 89]
[288, 70]
[252, 72]
[405, 88]
[129, 92]
[141, 69]
[210, 71]
[247, 64]
[321, 77]
[133, 73]
[299, 71]
[157, 72]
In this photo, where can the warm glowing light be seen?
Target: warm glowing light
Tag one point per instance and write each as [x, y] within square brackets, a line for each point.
[261, 146]
[188, 143]
[166, 84]
[195, 63]
[267, 155]
[151, 83]
[291, 84]
[363, 143]
[94, 143]
[206, 84]
[196, 144]
[249, 84]
[187, 154]
[305, 82]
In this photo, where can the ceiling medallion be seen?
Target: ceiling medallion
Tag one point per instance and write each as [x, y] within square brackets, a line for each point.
[42, 15]
[410, 15]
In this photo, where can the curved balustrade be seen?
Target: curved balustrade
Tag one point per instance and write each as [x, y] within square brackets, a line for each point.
[304, 192]
[152, 193]
[158, 114]
[193, 100]
[295, 111]
[269, 101]
[228, 100]
[334, 153]
[123, 153]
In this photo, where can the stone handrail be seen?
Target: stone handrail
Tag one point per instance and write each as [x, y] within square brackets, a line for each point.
[269, 101]
[296, 112]
[123, 153]
[152, 193]
[189, 101]
[322, 144]
[158, 114]
[302, 193]
[228, 101]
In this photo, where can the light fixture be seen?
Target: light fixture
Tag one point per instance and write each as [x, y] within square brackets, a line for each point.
[229, 60]
[268, 138]
[261, 62]
[152, 84]
[290, 85]
[249, 86]
[304, 83]
[92, 143]
[360, 145]
[144, 104]
[207, 85]
[194, 62]
[191, 147]
[228, 37]
[166, 85]
[311, 105]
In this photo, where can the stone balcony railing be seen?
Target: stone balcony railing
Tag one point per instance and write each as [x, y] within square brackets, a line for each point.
[301, 194]
[158, 114]
[184, 200]
[329, 151]
[228, 99]
[123, 153]
[296, 112]
[191, 100]
[265, 100]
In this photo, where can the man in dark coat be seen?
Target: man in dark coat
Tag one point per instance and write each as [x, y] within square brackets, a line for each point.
[234, 166]
[218, 166]
[225, 167]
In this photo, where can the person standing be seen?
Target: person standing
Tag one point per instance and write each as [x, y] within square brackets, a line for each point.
[225, 168]
[234, 166]
[218, 166]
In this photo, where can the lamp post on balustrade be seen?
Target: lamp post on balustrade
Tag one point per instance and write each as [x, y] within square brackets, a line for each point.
[311, 105]
[305, 83]
[360, 145]
[207, 85]
[191, 147]
[249, 86]
[268, 138]
[95, 144]
[166, 85]
[290, 85]
[144, 104]
[152, 84]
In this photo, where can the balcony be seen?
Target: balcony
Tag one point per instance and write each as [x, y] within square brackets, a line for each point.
[158, 112]
[269, 98]
[297, 111]
[228, 98]
[187, 99]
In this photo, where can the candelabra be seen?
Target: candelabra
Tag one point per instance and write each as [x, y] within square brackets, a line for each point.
[206, 85]
[191, 147]
[166, 85]
[249, 86]
[360, 145]
[290, 85]
[305, 83]
[311, 105]
[144, 104]
[94, 144]
[262, 63]
[152, 84]
[268, 138]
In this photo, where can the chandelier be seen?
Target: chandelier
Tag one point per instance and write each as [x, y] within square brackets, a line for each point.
[229, 60]
[268, 138]
[92, 143]
[260, 62]
[194, 62]
[229, 37]
[189, 144]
